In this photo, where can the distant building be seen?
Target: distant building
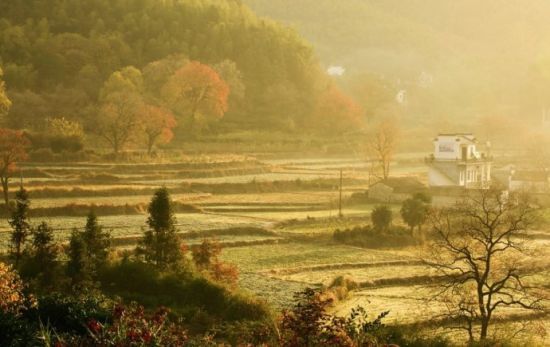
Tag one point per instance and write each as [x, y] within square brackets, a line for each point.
[395, 189]
[527, 180]
[457, 163]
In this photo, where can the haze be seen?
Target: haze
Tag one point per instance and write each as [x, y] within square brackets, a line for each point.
[280, 173]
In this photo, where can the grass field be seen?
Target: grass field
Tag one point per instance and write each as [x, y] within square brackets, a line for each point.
[295, 202]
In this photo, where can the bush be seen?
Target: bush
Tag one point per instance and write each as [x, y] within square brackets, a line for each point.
[16, 331]
[56, 142]
[188, 294]
[67, 314]
[381, 218]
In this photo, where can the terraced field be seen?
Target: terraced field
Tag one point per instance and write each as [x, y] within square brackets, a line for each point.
[274, 217]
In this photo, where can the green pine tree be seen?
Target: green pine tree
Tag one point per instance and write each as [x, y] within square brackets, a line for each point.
[160, 245]
[79, 267]
[41, 263]
[97, 242]
[20, 225]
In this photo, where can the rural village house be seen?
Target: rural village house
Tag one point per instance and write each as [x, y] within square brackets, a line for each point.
[456, 162]
[395, 189]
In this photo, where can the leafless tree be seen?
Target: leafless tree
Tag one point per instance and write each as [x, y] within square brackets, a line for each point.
[478, 253]
[382, 143]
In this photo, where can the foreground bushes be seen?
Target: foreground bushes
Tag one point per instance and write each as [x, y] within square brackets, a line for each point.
[201, 302]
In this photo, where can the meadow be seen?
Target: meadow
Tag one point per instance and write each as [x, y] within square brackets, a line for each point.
[274, 217]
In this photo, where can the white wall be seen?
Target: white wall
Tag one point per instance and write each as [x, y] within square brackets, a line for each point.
[437, 179]
[450, 148]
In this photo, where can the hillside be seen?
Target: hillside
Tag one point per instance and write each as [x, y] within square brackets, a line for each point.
[480, 56]
[56, 55]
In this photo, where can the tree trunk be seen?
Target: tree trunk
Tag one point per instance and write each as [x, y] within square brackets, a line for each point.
[484, 329]
[150, 145]
[5, 189]
[116, 149]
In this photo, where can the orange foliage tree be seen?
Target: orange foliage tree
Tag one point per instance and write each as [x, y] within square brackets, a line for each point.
[13, 145]
[206, 258]
[158, 124]
[197, 91]
[12, 299]
[336, 112]
[5, 103]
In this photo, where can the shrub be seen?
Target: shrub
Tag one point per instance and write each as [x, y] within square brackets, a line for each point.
[188, 294]
[131, 326]
[308, 323]
[206, 258]
[13, 300]
[381, 218]
[69, 314]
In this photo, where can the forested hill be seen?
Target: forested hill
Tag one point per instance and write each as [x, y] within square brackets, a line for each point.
[57, 54]
[483, 56]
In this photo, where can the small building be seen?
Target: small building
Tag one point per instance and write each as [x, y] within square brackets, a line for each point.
[395, 189]
[527, 180]
[456, 162]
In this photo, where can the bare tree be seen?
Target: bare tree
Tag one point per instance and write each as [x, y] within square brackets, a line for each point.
[382, 144]
[118, 120]
[482, 263]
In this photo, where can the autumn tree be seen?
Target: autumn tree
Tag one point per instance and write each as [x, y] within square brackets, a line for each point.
[382, 144]
[197, 91]
[373, 93]
[160, 245]
[337, 112]
[5, 103]
[157, 124]
[11, 290]
[121, 103]
[206, 258]
[478, 254]
[13, 146]
[20, 225]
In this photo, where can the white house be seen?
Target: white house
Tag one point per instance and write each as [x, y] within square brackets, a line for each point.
[456, 162]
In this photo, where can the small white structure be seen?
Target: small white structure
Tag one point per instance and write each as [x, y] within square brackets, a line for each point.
[456, 162]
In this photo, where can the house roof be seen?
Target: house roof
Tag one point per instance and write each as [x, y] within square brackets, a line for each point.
[456, 134]
[403, 184]
[466, 136]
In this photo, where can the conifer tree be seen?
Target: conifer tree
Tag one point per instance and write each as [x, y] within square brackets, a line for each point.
[79, 267]
[160, 245]
[43, 254]
[97, 242]
[20, 225]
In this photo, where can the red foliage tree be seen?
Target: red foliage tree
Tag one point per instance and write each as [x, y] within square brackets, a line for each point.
[337, 112]
[197, 91]
[158, 124]
[13, 146]
[206, 258]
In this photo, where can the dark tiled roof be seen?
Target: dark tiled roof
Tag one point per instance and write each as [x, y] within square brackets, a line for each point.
[403, 184]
